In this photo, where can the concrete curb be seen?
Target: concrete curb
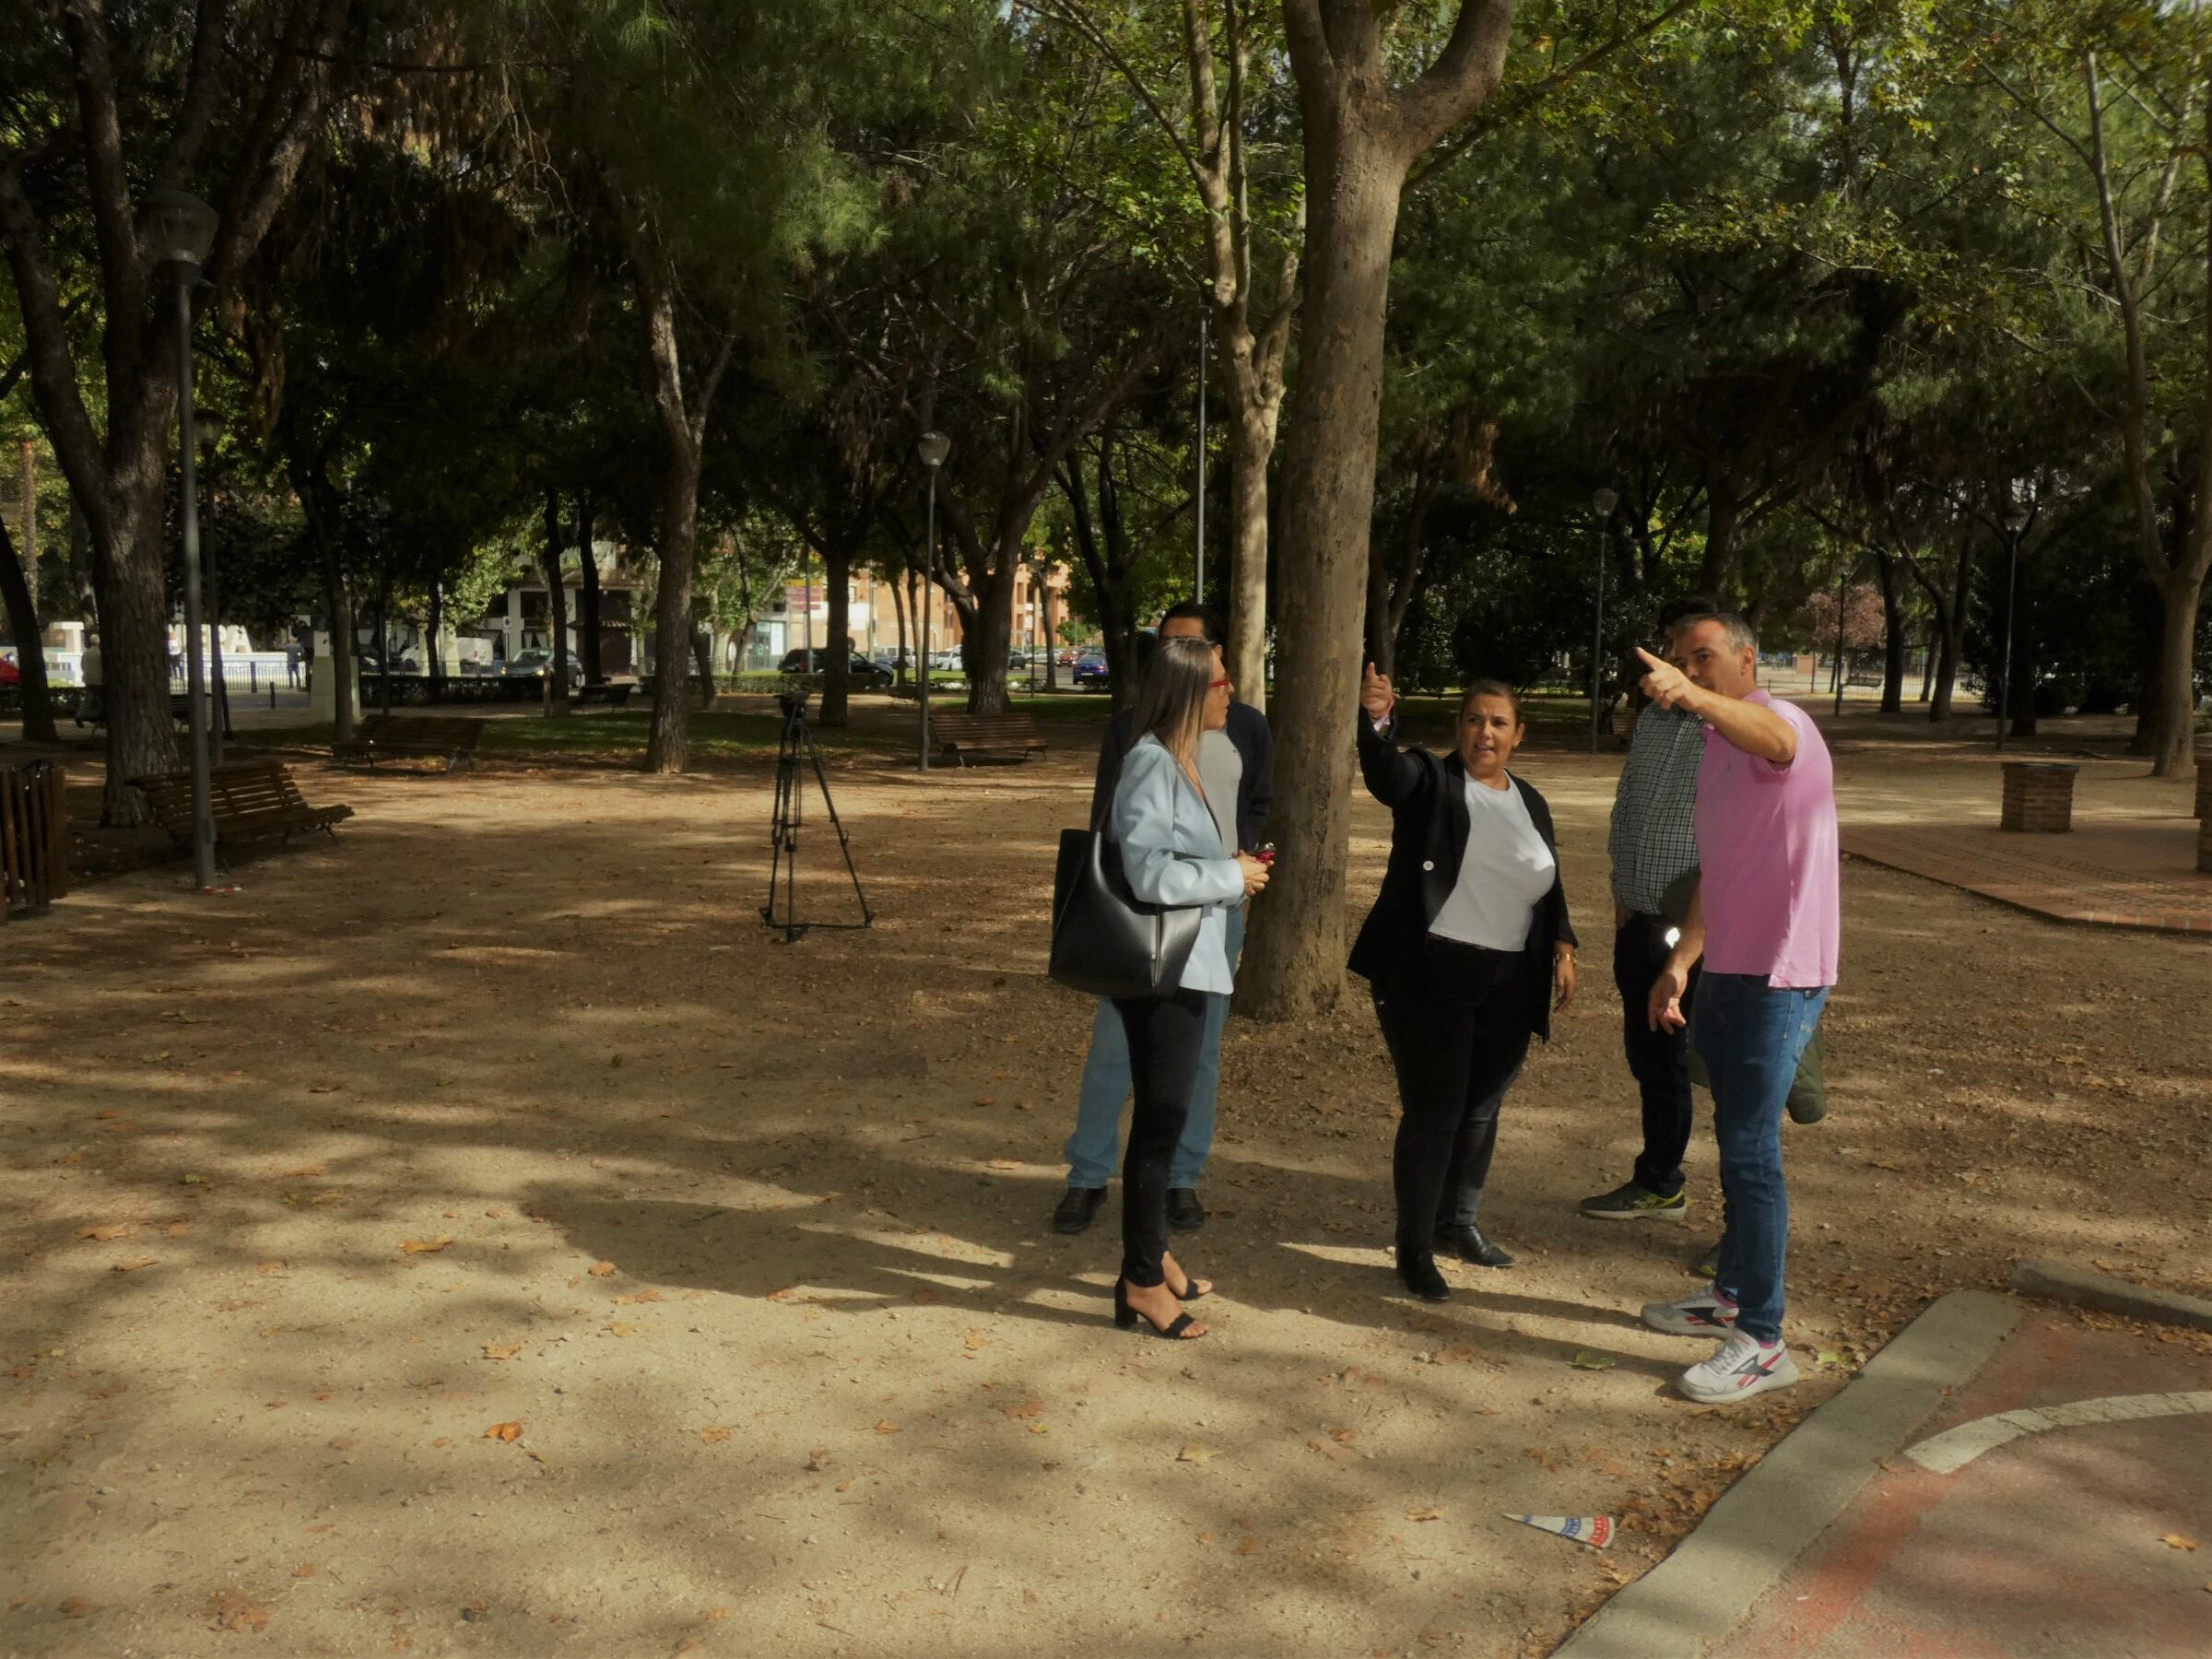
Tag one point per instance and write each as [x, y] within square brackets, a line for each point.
[2088, 1290]
[1692, 1600]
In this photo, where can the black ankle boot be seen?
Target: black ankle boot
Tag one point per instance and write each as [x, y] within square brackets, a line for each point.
[1467, 1241]
[1422, 1276]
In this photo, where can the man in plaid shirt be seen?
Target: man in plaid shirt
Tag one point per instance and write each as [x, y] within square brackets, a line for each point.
[1654, 847]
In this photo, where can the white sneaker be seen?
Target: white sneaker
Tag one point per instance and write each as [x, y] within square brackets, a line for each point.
[1739, 1368]
[1703, 1313]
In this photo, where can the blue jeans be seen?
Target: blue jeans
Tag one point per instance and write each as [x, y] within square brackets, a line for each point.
[1752, 1036]
[1094, 1150]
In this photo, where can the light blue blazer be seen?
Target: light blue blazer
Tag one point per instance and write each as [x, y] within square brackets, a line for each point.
[1171, 852]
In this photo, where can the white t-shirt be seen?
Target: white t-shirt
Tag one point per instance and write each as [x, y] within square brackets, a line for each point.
[1221, 772]
[1508, 868]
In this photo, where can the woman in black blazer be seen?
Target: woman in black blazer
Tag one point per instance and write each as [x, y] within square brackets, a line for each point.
[1468, 952]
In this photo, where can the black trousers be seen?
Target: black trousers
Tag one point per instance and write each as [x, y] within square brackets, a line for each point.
[1457, 1026]
[1166, 1034]
[1658, 1060]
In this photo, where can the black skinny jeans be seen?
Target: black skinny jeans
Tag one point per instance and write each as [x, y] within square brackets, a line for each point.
[1458, 1027]
[1658, 1060]
[1166, 1034]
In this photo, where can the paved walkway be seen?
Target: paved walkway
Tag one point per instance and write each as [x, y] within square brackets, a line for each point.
[2130, 860]
[2071, 1541]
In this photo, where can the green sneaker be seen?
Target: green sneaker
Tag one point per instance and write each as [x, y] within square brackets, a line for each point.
[1628, 1202]
[1709, 1265]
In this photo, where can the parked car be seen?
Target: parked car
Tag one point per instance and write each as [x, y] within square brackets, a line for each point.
[863, 671]
[1090, 673]
[1018, 659]
[10, 674]
[534, 664]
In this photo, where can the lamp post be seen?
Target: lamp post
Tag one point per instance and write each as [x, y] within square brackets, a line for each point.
[211, 427]
[178, 230]
[932, 448]
[2015, 523]
[1039, 572]
[1602, 503]
[1843, 672]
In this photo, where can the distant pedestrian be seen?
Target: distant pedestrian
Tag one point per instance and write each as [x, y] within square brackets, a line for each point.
[1468, 952]
[1653, 843]
[1237, 763]
[292, 663]
[1765, 921]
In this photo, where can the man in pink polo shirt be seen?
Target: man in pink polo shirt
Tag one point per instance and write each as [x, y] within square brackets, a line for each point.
[1765, 920]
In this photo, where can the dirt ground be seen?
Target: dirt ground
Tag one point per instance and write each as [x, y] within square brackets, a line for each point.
[482, 1236]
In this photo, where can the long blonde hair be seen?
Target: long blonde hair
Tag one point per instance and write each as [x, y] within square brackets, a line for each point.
[1170, 698]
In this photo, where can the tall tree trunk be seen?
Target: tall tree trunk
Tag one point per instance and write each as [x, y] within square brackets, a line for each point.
[702, 660]
[1721, 520]
[338, 601]
[990, 636]
[389, 669]
[2020, 671]
[31, 645]
[1252, 430]
[1893, 634]
[557, 604]
[436, 663]
[906, 660]
[837, 663]
[669, 746]
[1296, 955]
[588, 606]
[2180, 595]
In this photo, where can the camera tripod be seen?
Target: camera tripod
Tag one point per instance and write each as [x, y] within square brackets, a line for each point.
[796, 746]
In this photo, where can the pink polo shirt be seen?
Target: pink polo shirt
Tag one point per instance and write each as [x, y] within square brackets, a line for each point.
[1766, 847]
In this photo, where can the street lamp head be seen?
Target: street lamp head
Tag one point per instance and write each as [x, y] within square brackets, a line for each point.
[933, 449]
[2016, 519]
[174, 226]
[1604, 501]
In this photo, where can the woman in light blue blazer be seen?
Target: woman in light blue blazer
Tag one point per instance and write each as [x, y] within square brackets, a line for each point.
[1171, 851]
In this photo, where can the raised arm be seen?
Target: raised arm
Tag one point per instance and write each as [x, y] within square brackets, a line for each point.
[1144, 825]
[1392, 777]
[1750, 727]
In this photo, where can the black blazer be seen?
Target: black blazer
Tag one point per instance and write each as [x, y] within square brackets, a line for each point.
[1247, 728]
[1426, 794]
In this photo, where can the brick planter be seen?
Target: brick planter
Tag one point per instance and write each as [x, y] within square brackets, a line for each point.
[2038, 797]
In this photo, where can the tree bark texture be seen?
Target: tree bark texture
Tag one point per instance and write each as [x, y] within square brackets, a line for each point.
[1297, 940]
[1362, 134]
[837, 665]
[30, 647]
[556, 605]
[1893, 634]
[590, 610]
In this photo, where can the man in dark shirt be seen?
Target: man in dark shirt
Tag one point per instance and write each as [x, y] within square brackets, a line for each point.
[1237, 765]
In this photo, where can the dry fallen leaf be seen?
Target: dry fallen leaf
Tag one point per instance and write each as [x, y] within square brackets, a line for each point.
[427, 1246]
[503, 1350]
[132, 1264]
[1028, 1408]
[508, 1432]
[305, 1569]
[886, 1427]
[2175, 1541]
[232, 1611]
[1587, 1361]
[637, 1296]
[845, 1485]
[603, 1270]
[714, 1436]
[1428, 1512]
[120, 1230]
[976, 1339]
[1344, 1437]
[926, 1295]
[619, 1329]
[1250, 1546]
[1195, 1454]
[77, 1607]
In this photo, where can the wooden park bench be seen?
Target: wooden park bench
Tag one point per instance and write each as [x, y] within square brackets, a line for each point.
[250, 800]
[974, 738]
[450, 738]
[614, 694]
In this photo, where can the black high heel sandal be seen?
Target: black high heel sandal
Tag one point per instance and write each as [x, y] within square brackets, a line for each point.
[1128, 1319]
[1190, 1291]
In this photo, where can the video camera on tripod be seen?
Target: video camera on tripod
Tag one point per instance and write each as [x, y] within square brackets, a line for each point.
[796, 746]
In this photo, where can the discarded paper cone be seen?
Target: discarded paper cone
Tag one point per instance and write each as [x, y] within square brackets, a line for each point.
[1593, 1530]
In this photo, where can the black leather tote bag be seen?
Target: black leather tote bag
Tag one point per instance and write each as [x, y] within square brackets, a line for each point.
[1106, 941]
